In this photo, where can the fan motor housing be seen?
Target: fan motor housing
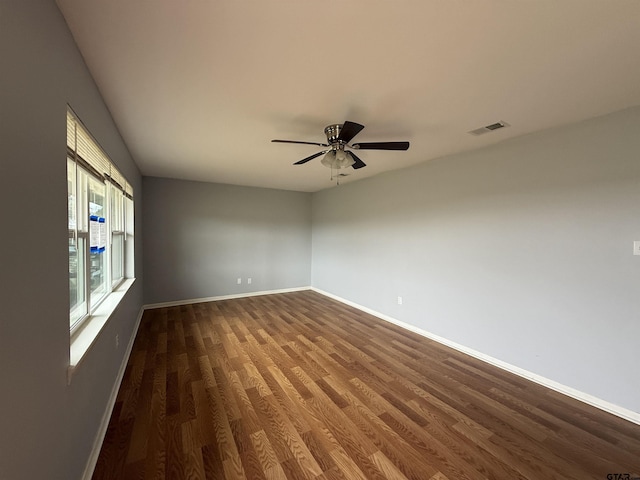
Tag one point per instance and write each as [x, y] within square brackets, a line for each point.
[333, 132]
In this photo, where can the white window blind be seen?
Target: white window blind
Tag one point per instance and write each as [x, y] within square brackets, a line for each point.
[87, 150]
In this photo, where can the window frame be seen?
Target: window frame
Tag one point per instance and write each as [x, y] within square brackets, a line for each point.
[117, 231]
[91, 164]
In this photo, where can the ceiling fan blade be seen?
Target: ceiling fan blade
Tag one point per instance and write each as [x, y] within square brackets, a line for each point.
[305, 143]
[358, 163]
[381, 146]
[305, 160]
[349, 130]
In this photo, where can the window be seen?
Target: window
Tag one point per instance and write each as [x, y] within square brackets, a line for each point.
[100, 219]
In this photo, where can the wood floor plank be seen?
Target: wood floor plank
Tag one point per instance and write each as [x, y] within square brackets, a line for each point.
[266, 455]
[386, 467]
[285, 431]
[407, 459]
[346, 465]
[298, 386]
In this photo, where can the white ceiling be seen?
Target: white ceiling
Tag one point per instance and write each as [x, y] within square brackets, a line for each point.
[198, 88]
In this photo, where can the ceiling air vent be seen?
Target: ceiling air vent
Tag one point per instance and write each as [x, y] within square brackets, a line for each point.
[489, 128]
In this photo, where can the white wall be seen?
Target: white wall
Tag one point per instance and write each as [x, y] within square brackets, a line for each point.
[47, 428]
[521, 251]
[200, 237]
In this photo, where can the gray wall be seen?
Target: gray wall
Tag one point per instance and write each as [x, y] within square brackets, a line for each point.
[47, 428]
[522, 251]
[200, 237]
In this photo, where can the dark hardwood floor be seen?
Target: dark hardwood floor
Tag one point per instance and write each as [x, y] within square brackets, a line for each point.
[299, 386]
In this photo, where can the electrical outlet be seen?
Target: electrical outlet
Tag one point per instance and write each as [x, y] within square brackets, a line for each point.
[636, 247]
[239, 281]
[249, 280]
[117, 341]
[399, 300]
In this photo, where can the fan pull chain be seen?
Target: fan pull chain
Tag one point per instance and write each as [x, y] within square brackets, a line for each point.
[337, 176]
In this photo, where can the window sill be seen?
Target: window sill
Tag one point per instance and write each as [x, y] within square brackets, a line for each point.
[83, 338]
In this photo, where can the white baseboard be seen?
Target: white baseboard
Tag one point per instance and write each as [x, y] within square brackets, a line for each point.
[104, 423]
[222, 297]
[553, 385]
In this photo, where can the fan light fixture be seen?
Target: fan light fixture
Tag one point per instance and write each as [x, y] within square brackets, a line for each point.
[337, 159]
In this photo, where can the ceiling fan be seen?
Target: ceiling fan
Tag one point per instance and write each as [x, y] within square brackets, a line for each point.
[338, 137]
